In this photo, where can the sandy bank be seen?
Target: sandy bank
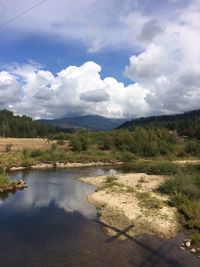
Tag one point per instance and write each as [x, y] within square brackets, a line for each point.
[185, 162]
[130, 204]
[65, 165]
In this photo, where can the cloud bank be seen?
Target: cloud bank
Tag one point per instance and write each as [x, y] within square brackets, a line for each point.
[163, 38]
[73, 91]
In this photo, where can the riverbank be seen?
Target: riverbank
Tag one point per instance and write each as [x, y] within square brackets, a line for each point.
[38, 165]
[6, 185]
[129, 204]
[44, 166]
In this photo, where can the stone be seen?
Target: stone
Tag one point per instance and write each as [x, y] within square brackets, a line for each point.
[187, 243]
[193, 250]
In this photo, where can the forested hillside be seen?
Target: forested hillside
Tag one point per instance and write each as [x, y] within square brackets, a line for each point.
[93, 122]
[187, 124]
[16, 126]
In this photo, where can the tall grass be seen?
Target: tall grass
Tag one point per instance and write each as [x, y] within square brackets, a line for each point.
[152, 167]
[4, 180]
[184, 192]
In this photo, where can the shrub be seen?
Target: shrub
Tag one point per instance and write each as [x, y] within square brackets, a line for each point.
[53, 147]
[106, 143]
[110, 179]
[8, 147]
[191, 209]
[128, 156]
[24, 153]
[162, 168]
[192, 148]
[79, 143]
[184, 189]
[60, 142]
[36, 153]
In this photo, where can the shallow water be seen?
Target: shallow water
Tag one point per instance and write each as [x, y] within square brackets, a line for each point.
[51, 224]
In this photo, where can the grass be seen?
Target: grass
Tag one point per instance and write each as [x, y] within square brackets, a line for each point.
[111, 183]
[3, 179]
[20, 143]
[184, 191]
[196, 238]
[152, 167]
[147, 201]
[27, 157]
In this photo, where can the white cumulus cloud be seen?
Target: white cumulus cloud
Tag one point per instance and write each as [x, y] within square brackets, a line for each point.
[73, 91]
[169, 67]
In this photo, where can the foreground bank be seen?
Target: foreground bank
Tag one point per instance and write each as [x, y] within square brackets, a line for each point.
[130, 204]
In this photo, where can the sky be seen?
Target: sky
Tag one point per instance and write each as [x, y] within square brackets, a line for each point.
[116, 58]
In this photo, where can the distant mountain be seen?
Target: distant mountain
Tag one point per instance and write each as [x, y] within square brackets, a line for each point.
[187, 123]
[93, 122]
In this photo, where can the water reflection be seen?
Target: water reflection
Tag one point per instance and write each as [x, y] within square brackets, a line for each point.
[60, 187]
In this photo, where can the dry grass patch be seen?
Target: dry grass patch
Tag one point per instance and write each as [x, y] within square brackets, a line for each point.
[17, 144]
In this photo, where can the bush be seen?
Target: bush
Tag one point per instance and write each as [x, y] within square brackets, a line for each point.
[186, 184]
[192, 148]
[8, 147]
[53, 147]
[184, 190]
[191, 210]
[106, 143]
[25, 153]
[110, 179]
[60, 142]
[128, 156]
[36, 153]
[79, 143]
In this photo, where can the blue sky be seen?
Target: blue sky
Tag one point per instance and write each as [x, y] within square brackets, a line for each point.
[57, 55]
[112, 58]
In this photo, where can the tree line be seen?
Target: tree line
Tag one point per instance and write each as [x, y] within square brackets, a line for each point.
[186, 124]
[23, 126]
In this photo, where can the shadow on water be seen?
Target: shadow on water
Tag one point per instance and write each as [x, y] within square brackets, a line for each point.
[155, 254]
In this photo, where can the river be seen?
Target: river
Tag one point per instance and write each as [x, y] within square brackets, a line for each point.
[50, 224]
